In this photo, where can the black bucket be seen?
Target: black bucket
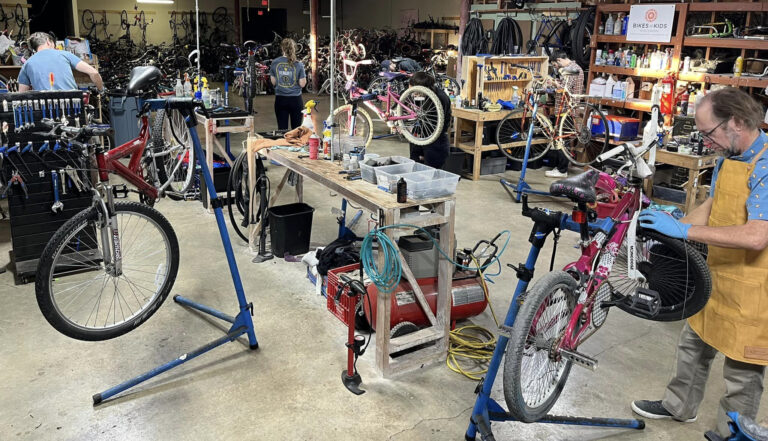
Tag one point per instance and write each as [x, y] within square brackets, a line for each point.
[290, 227]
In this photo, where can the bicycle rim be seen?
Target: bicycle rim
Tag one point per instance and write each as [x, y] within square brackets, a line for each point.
[363, 126]
[575, 134]
[512, 136]
[427, 125]
[178, 155]
[671, 268]
[534, 373]
[87, 297]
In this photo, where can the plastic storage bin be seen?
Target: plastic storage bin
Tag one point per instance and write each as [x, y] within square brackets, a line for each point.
[123, 111]
[431, 184]
[290, 227]
[368, 172]
[388, 175]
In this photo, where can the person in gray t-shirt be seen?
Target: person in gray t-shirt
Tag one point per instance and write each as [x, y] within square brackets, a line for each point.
[288, 76]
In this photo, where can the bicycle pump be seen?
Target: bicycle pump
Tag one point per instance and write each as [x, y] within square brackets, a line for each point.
[350, 377]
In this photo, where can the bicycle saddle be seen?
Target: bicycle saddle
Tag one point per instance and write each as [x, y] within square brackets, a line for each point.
[579, 188]
[143, 78]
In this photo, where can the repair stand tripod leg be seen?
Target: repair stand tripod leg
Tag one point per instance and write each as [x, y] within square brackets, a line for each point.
[242, 323]
[486, 408]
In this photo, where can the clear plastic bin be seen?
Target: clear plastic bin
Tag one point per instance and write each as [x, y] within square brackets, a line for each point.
[388, 175]
[368, 172]
[431, 184]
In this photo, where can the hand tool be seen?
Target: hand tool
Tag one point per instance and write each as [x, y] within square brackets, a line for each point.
[74, 178]
[303, 156]
[15, 149]
[16, 121]
[63, 181]
[31, 110]
[50, 109]
[16, 180]
[5, 105]
[57, 205]
[27, 147]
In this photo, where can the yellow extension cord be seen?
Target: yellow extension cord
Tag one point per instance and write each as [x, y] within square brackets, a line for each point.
[474, 344]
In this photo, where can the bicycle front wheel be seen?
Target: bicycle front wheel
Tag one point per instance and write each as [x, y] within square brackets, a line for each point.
[361, 128]
[82, 297]
[671, 267]
[426, 125]
[512, 135]
[575, 136]
[534, 373]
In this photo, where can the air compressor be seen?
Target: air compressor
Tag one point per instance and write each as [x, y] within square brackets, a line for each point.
[468, 297]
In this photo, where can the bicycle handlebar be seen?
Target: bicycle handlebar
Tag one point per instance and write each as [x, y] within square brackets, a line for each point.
[542, 215]
[88, 131]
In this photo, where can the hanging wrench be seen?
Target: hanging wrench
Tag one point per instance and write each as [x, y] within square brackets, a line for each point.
[50, 109]
[63, 181]
[16, 119]
[31, 109]
[57, 205]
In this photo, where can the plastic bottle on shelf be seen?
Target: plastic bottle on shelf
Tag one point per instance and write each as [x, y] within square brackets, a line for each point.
[687, 64]
[601, 29]
[598, 57]
[738, 66]
[691, 108]
[617, 24]
[610, 60]
[656, 95]
[609, 25]
[609, 84]
[624, 25]
[206, 95]
[633, 61]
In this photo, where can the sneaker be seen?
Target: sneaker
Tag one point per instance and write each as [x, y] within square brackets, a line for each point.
[555, 173]
[655, 411]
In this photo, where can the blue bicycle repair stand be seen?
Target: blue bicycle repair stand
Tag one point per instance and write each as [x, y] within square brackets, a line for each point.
[522, 186]
[486, 408]
[242, 323]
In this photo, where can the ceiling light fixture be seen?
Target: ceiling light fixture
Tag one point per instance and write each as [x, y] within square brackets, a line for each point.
[157, 2]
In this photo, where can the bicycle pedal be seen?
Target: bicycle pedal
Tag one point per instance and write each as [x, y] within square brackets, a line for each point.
[645, 303]
[120, 191]
[580, 359]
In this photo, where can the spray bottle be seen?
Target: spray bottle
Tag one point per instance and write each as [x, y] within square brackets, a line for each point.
[187, 86]
[307, 120]
[206, 94]
[179, 89]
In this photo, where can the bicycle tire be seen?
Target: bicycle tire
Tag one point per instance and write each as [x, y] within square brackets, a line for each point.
[511, 130]
[89, 219]
[660, 259]
[363, 126]
[449, 85]
[169, 168]
[575, 134]
[555, 32]
[422, 131]
[88, 20]
[536, 304]
[580, 45]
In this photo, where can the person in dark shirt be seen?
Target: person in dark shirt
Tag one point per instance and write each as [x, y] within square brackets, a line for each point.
[288, 76]
[434, 154]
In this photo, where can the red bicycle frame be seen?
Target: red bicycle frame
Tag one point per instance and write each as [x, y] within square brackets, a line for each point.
[110, 161]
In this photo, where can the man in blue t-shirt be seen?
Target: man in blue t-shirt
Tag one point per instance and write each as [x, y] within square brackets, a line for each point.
[48, 61]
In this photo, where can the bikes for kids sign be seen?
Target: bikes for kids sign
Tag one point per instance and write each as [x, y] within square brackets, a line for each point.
[650, 23]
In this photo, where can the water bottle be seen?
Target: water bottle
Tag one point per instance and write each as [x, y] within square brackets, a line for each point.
[609, 25]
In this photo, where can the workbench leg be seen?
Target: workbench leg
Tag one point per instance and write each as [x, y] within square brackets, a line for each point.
[456, 131]
[690, 190]
[445, 275]
[478, 151]
[300, 188]
[383, 305]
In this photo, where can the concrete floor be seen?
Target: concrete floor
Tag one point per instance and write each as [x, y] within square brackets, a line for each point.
[289, 389]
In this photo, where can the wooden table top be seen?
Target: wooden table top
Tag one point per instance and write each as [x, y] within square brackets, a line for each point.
[358, 191]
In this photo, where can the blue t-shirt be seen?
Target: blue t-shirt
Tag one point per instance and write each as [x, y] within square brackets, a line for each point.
[757, 203]
[288, 76]
[36, 71]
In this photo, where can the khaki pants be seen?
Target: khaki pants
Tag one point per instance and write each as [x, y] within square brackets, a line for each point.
[743, 382]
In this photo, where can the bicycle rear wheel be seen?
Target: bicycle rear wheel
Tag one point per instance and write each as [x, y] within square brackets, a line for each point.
[449, 85]
[534, 373]
[363, 126]
[88, 20]
[81, 297]
[173, 154]
[512, 135]
[575, 134]
[427, 125]
[672, 268]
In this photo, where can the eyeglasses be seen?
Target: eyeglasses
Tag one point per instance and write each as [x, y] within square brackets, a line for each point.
[708, 134]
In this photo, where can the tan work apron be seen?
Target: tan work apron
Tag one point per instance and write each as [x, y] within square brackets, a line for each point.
[735, 320]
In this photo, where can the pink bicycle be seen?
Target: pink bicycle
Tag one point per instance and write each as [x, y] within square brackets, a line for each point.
[642, 272]
[416, 113]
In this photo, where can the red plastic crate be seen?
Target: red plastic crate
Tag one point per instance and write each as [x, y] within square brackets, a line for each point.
[345, 303]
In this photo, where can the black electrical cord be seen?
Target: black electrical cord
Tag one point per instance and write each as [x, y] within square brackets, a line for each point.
[505, 39]
[474, 41]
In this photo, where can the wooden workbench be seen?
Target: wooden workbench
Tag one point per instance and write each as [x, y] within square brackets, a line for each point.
[383, 204]
[694, 163]
[230, 124]
[473, 121]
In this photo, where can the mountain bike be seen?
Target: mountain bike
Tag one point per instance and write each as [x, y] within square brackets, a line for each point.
[107, 269]
[416, 113]
[642, 272]
[573, 121]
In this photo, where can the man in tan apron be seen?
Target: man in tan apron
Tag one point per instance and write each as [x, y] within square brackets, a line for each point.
[732, 222]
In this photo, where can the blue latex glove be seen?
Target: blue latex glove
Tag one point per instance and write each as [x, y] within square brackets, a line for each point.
[664, 223]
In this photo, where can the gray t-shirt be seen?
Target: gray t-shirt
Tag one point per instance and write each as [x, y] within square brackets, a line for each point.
[36, 72]
[288, 76]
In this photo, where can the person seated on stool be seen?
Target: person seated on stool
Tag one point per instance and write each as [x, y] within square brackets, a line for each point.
[434, 154]
[573, 81]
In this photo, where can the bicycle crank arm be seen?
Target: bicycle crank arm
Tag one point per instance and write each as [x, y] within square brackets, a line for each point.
[580, 359]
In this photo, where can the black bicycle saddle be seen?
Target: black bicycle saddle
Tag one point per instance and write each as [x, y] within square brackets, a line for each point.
[143, 78]
[579, 188]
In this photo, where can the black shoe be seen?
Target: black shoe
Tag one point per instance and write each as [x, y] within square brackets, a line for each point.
[655, 411]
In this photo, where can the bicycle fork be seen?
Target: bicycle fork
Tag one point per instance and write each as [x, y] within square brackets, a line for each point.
[110, 234]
